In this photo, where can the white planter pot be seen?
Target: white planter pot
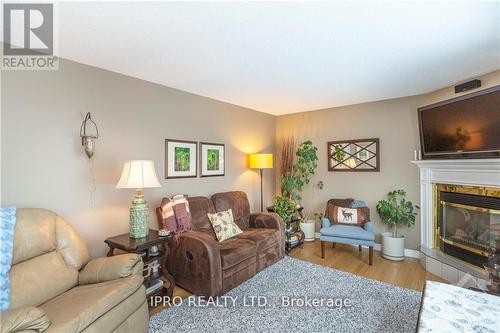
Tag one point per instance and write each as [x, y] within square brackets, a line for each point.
[393, 248]
[308, 228]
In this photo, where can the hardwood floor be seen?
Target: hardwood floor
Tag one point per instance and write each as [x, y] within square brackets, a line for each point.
[408, 273]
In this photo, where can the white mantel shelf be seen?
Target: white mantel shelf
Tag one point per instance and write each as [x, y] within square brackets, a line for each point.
[476, 172]
[480, 164]
[485, 172]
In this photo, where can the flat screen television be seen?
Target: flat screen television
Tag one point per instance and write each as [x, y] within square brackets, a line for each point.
[463, 127]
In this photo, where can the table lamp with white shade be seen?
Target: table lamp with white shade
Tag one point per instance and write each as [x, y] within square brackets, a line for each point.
[138, 174]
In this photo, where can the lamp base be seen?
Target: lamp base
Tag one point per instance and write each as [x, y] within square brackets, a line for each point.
[139, 216]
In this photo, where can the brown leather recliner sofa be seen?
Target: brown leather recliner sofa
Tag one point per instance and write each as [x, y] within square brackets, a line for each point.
[55, 287]
[206, 267]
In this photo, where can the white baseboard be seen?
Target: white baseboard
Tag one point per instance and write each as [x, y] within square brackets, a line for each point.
[408, 252]
[412, 253]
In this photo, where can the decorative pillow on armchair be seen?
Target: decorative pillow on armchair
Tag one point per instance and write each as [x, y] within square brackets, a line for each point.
[223, 224]
[349, 216]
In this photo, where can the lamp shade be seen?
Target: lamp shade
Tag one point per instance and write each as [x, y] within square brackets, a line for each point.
[261, 161]
[138, 174]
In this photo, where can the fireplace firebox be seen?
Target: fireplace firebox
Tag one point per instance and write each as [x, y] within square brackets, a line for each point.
[468, 222]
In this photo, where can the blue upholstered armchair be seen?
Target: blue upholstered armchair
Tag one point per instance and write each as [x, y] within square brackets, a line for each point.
[346, 234]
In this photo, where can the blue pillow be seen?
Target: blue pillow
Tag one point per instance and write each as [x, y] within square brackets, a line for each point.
[358, 204]
[7, 224]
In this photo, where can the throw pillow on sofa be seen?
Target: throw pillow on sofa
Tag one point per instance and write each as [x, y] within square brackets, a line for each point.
[350, 216]
[223, 224]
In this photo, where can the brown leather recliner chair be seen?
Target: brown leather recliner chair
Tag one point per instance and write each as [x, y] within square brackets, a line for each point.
[206, 267]
[55, 287]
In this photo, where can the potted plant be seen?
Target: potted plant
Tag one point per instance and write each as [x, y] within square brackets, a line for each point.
[395, 211]
[305, 167]
[292, 181]
[308, 227]
[308, 223]
[286, 208]
[296, 173]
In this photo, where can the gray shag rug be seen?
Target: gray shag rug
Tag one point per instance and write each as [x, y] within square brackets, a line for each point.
[375, 306]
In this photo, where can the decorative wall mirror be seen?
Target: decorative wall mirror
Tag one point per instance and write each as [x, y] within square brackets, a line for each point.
[354, 155]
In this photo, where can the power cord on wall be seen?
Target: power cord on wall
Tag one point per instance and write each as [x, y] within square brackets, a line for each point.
[93, 182]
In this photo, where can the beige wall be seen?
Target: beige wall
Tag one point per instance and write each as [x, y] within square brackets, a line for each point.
[395, 123]
[43, 164]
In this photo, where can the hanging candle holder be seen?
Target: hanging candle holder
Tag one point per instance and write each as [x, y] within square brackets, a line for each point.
[88, 140]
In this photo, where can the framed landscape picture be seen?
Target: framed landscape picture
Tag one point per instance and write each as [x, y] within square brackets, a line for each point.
[212, 159]
[180, 158]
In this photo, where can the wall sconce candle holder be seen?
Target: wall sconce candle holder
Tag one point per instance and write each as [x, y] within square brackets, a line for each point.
[88, 141]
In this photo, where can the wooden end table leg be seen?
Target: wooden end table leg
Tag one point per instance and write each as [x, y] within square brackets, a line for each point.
[322, 249]
[370, 255]
[170, 290]
[288, 246]
[110, 252]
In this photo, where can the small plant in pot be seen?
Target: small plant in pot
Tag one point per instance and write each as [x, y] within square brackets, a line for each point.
[286, 209]
[395, 211]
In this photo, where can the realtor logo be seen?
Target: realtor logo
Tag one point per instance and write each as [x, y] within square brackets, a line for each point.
[28, 29]
[28, 36]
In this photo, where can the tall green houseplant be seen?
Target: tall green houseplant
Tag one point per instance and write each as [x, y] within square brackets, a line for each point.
[396, 211]
[292, 182]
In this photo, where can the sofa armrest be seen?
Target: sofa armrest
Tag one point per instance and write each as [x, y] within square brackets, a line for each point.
[266, 220]
[325, 222]
[368, 226]
[24, 319]
[111, 268]
[195, 262]
[270, 221]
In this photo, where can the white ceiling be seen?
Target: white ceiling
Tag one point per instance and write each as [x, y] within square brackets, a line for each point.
[285, 57]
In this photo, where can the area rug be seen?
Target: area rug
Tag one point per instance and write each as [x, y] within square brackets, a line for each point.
[343, 302]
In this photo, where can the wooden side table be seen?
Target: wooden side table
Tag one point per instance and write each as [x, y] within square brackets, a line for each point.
[295, 224]
[143, 247]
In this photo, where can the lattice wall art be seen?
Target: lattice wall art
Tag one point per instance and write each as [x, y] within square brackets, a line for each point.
[354, 155]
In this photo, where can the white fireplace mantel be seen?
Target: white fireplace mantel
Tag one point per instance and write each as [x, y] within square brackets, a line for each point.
[478, 172]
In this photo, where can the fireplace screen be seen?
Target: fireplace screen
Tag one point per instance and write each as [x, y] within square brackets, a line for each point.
[470, 226]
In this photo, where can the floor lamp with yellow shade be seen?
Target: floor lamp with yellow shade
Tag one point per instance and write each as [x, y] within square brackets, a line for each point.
[261, 162]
